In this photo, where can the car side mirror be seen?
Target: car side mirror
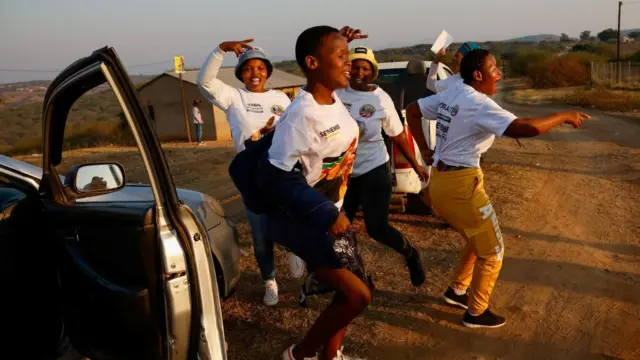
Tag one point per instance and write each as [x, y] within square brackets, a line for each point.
[95, 179]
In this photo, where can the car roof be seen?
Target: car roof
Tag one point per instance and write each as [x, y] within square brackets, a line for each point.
[398, 65]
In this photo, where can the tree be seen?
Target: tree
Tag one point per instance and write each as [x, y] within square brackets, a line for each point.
[564, 38]
[634, 35]
[608, 34]
[585, 35]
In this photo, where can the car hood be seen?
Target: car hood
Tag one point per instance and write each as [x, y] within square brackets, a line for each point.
[206, 208]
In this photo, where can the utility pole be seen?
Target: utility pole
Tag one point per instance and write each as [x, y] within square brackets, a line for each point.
[618, 52]
[184, 108]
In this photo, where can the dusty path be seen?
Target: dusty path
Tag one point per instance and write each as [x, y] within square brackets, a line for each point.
[569, 205]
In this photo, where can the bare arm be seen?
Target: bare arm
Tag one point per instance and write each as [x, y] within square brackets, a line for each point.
[407, 151]
[213, 89]
[535, 126]
[414, 121]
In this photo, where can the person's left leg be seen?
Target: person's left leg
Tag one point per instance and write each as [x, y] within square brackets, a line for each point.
[263, 250]
[375, 195]
[199, 133]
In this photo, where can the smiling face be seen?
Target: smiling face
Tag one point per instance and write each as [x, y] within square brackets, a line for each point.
[254, 75]
[331, 66]
[361, 74]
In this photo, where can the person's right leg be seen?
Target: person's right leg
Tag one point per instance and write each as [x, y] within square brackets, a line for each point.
[263, 250]
[352, 298]
[352, 198]
[375, 195]
[199, 133]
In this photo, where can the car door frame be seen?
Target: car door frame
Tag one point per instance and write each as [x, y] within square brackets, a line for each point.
[193, 319]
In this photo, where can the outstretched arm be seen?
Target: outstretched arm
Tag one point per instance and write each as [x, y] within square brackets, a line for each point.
[530, 127]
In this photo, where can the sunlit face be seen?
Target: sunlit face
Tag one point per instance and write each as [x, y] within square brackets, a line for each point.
[254, 75]
[488, 76]
[331, 63]
[361, 73]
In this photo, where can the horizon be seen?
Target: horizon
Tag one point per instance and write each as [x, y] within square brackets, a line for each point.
[46, 37]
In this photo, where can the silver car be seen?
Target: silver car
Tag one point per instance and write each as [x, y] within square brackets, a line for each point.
[117, 271]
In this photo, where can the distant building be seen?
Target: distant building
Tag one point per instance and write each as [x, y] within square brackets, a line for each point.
[627, 39]
[162, 96]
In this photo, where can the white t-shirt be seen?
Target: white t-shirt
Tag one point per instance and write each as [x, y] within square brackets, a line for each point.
[373, 111]
[438, 86]
[468, 122]
[444, 84]
[247, 112]
[197, 117]
[323, 138]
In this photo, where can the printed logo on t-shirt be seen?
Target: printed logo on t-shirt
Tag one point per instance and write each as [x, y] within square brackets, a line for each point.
[336, 171]
[255, 108]
[330, 132]
[367, 110]
[277, 110]
[442, 127]
[455, 109]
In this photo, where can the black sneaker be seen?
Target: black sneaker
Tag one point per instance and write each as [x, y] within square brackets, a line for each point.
[485, 320]
[451, 298]
[416, 272]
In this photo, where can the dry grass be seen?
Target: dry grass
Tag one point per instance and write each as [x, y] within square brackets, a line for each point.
[626, 101]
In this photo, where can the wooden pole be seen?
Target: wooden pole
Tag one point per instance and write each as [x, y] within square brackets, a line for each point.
[618, 51]
[184, 108]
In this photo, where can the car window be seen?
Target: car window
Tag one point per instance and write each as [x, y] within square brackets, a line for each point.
[98, 132]
[9, 195]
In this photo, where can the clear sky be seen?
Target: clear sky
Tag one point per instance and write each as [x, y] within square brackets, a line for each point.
[50, 34]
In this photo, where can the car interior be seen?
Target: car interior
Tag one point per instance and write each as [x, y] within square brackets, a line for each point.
[81, 273]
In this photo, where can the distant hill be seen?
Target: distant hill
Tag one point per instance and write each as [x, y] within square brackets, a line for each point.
[625, 32]
[536, 38]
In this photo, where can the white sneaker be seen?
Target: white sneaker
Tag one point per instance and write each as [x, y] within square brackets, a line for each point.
[341, 356]
[270, 293]
[288, 355]
[296, 266]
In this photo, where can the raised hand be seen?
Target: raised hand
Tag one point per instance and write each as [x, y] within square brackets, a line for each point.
[238, 47]
[352, 34]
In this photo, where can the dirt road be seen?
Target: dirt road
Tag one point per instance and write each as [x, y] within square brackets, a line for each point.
[569, 206]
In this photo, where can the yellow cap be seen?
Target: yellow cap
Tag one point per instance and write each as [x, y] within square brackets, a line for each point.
[364, 53]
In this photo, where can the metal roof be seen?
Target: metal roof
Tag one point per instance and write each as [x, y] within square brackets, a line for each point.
[279, 79]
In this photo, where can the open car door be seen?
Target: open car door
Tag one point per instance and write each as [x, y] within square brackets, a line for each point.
[136, 282]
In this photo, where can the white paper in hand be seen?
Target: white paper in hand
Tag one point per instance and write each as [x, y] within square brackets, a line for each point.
[442, 42]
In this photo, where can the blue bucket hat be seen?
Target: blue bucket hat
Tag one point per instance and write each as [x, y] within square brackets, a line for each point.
[255, 53]
[467, 47]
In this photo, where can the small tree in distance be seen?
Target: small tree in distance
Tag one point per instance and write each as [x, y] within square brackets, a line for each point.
[608, 34]
[585, 35]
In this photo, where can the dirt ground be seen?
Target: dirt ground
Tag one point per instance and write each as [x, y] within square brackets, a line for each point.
[569, 207]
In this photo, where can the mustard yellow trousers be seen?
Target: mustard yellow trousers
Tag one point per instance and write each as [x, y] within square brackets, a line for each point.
[459, 197]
